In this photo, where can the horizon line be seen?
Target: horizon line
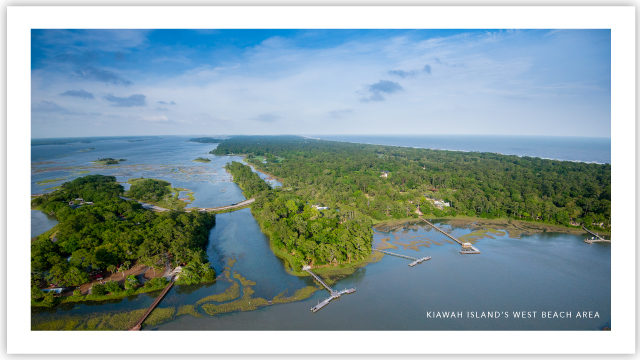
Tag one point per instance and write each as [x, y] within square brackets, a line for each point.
[319, 135]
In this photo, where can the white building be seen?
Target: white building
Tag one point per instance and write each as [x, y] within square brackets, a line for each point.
[440, 204]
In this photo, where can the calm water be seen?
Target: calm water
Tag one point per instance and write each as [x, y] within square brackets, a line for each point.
[542, 272]
[581, 149]
[41, 222]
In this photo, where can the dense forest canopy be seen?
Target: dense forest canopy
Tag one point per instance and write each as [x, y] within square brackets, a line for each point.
[152, 190]
[157, 192]
[250, 182]
[299, 232]
[98, 231]
[386, 182]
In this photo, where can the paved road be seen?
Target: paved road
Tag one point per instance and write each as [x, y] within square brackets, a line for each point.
[220, 208]
[228, 207]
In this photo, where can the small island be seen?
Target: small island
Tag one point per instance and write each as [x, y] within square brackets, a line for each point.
[74, 257]
[108, 161]
[157, 192]
[202, 160]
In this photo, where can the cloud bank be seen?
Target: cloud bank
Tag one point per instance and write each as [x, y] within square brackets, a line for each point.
[128, 101]
[532, 82]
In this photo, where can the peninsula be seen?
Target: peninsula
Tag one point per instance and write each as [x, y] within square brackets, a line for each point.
[333, 192]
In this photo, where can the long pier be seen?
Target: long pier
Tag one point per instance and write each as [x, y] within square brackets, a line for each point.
[415, 262]
[467, 248]
[597, 238]
[334, 294]
[155, 303]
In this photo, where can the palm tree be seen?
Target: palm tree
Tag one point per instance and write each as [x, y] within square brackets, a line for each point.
[124, 267]
[111, 268]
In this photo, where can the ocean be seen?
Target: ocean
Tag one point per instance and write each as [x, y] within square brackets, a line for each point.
[582, 149]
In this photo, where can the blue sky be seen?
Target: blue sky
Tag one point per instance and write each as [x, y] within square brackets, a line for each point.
[157, 82]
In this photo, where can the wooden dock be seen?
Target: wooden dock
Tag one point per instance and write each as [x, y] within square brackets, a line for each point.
[596, 239]
[155, 303]
[467, 248]
[415, 261]
[333, 294]
[442, 231]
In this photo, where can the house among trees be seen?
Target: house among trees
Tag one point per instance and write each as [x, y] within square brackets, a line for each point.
[440, 204]
[385, 174]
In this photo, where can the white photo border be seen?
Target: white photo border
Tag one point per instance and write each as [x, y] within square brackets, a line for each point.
[621, 21]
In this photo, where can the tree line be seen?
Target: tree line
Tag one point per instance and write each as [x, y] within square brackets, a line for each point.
[474, 184]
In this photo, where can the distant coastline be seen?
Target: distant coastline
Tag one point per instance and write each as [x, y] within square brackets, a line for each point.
[558, 148]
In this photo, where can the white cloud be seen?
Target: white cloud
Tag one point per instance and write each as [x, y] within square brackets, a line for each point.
[482, 83]
[155, 118]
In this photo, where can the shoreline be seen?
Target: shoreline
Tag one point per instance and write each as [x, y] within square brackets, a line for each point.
[521, 226]
[471, 151]
[255, 168]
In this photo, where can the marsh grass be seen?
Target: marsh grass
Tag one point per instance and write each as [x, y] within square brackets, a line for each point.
[48, 181]
[188, 310]
[230, 293]
[300, 294]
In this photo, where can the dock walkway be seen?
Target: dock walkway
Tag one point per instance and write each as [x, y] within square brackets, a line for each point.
[307, 268]
[442, 231]
[333, 294]
[467, 248]
[415, 262]
[155, 303]
[597, 238]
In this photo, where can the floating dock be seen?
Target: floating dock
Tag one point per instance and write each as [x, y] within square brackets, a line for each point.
[467, 248]
[334, 294]
[415, 261]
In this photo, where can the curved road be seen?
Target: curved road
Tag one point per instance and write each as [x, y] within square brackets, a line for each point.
[220, 208]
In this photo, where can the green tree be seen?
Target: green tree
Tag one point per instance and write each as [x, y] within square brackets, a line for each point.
[98, 289]
[124, 267]
[131, 282]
